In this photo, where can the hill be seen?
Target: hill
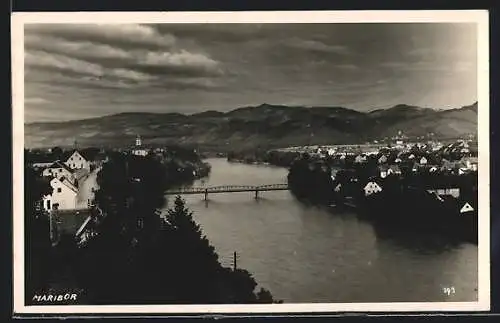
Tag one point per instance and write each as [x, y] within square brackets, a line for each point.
[259, 126]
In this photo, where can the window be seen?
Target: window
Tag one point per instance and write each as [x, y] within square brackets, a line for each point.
[48, 204]
[59, 190]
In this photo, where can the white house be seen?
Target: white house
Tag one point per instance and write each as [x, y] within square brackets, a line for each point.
[58, 169]
[63, 197]
[394, 169]
[372, 188]
[382, 159]
[423, 161]
[470, 163]
[383, 171]
[466, 208]
[454, 191]
[77, 161]
[360, 159]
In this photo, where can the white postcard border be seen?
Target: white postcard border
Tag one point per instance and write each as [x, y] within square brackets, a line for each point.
[422, 16]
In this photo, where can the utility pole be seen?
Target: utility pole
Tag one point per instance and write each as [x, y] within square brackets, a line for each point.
[235, 257]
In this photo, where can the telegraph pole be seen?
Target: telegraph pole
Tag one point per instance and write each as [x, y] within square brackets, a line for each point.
[235, 257]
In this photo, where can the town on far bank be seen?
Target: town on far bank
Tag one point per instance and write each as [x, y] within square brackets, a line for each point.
[436, 165]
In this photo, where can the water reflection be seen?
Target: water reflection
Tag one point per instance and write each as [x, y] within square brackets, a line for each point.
[304, 253]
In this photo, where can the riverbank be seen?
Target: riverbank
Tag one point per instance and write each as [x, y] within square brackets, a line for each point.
[441, 203]
[299, 251]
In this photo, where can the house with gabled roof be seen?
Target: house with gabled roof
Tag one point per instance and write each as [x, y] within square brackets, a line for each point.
[63, 196]
[382, 159]
[372, 188]
[58, 169]
[77, 161]
[466, 208]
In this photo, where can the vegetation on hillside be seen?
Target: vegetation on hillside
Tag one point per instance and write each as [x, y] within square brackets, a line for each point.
[265, 126]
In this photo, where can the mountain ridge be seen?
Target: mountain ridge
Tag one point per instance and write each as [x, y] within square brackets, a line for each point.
[265, 125]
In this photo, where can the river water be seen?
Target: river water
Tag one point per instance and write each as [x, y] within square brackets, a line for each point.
[309, 254]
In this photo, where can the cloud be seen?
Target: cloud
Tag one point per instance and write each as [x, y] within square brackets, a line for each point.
[350, 67]
[54, 62]
[317, 46]
[120, 35]
[65, 70]
[36, 100]
[84, 50]
[178, 67]
[47, 51]
[419, 66]
[182, 62]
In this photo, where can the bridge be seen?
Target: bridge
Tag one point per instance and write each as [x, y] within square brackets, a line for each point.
[228, 189]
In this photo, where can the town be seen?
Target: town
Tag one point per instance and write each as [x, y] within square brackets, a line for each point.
[72, 175]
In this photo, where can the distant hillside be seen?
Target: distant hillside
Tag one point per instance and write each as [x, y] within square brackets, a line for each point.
[249, 127]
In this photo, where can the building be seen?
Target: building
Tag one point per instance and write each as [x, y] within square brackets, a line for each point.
[383, 171]
[77, 161]
[372, 188]
[58, 169]
[360, 159]
[63, 196]
[466, 208]
[471, 163]
[393, 170]
[452, 191]
[382, 159]
[42, 165]
[138, 150]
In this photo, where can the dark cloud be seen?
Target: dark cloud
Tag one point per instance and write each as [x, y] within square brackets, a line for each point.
[86, 70]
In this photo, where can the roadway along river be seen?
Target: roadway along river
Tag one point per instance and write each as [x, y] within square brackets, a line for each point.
[307, 254]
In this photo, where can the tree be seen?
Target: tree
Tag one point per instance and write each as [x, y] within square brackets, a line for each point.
[139, 256]
[57, 152]
[205, 280]
[37, 232]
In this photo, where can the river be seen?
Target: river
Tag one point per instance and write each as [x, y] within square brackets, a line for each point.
[309, 254]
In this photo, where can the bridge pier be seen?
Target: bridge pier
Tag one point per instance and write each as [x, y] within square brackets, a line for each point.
[256, 194]
[206, 194]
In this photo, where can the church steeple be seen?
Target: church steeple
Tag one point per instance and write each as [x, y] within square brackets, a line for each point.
[138, 141]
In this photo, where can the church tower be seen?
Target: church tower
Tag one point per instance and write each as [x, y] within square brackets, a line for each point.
[138, 141]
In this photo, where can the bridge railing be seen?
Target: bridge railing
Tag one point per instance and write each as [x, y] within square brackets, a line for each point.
[227, 188]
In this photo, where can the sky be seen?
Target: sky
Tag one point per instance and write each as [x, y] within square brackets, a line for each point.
[75, 71]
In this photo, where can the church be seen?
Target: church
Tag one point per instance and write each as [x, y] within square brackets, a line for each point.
[139, 150]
